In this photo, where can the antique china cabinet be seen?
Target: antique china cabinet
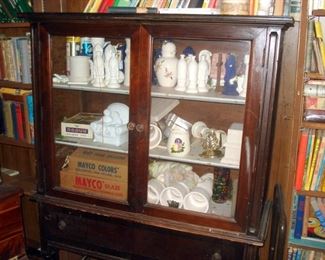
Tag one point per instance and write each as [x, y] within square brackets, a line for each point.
[96, 194]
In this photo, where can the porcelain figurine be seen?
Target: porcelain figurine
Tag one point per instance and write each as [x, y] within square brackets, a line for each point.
[97, 67]
[108, 53]
[203, 74]
[127, 62]
[166, 66]
[230, 85]
[192, 75]
[181, 73]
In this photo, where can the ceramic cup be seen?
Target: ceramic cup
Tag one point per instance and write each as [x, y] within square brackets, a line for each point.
[197, 200]
[79, 69]
[155, 136]
[198, 129]
[174, 193]
[178, 144]
[155, 188]
[206, 183]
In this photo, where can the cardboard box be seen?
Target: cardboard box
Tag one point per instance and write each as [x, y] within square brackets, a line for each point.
[99, 163]
[79, 125]
[101, 173]
[99, 185]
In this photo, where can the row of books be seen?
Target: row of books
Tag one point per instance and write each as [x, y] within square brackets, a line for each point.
[309, 220]
[310, 168]
[9, 10]
[16, 114]
[251, 7]
[295, 253]
[15, 59]
[314, 101]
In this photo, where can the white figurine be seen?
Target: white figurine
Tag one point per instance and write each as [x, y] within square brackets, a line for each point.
[108, 53]
[97, 67]
[203, 74]
[192, 75]
[114, 78]
[181, 73]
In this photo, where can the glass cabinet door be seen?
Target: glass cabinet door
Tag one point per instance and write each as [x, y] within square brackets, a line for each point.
[207, 142]
[87, 113]
[196, 124]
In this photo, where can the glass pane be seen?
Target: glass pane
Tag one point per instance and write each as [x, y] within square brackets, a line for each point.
[90, 115]
[197, 114]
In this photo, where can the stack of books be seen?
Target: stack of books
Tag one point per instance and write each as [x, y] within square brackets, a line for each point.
[16, 114]
[15, 59]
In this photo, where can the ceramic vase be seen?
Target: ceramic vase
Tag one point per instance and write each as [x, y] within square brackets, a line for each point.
[178, 144]
[203, 72]
[166, 66]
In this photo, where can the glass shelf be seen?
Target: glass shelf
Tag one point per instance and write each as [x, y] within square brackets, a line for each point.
[159, 152]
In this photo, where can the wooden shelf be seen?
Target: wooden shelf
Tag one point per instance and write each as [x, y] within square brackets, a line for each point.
[11, 141]
[314, 125]
[13, 84]
[312, 193]
[15, 25]
[319, 12]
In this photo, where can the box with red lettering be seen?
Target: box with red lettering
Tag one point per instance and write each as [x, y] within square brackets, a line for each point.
[96, 173]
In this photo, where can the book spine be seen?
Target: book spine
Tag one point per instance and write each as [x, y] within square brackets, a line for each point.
[299, 217]
[30, 107]
[301, 159]
[132, 10]
[20, 120]
[14, 120]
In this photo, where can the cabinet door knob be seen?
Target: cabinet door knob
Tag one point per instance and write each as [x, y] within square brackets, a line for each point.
[139, 127]
[62, 225]
[131, 126]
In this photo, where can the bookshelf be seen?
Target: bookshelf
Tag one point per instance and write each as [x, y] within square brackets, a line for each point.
[302, 232]
[20, 155]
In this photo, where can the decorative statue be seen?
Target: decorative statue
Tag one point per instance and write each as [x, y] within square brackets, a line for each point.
[112, 127]
[97, 67]
[181, 73]
[108, 53]
[230, 86]
[203, 74]
[192, 75]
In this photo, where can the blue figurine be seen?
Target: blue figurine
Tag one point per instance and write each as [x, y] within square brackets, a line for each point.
[230, 86]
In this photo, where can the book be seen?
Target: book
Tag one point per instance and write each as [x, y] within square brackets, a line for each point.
[320, 173]
[317, 103]
[195, 3]
[278, 7]
[318, 57]
[2, 118]
[320, 39]
[132, 10]
[306, 216]
[19, 120]
[312, 160]
[309, 154]
[105, 4]
[302, 150]
[30, 118]
[14, 119]
[318, 163]
[8, 118]
[299, 216]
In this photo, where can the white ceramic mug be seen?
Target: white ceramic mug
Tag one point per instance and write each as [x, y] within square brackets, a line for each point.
[206, 183]
[79, 69]
[155, 187]
[178, 144]
[197, 200]
[174, 193]
[155, 136]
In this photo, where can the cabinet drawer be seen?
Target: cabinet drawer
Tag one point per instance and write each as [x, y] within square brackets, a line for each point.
[121, 238]
[12, 246]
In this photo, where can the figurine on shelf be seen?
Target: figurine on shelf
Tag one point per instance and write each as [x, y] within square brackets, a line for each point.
[166, 66]
[213, 143]
[108, 53]
[97, 67]
[230, 86]
[202, 74]
[192, 75]
[112, 127]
